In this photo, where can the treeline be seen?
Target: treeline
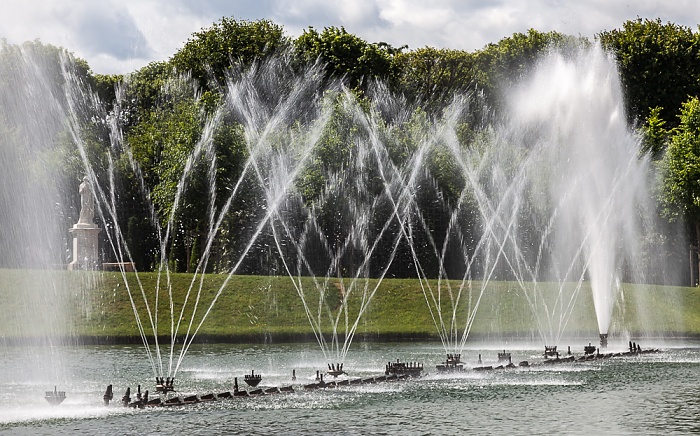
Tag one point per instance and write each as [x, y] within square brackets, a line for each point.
[163, 108]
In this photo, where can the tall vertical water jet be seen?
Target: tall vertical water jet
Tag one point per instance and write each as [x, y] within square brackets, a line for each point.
[585, 175]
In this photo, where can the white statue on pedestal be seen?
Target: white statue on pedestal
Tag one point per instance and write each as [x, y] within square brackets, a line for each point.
[85, 232]
[87, 202]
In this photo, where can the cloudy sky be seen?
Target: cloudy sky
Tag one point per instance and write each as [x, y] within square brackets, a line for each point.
[120, 36]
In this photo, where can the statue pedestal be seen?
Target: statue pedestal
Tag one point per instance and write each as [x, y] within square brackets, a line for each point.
[85, 255]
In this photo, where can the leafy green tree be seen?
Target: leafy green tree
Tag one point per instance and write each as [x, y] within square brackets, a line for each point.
[212, 52]
[659, 66]
[347, 55]
[680, 190]
[105, 86]
[162, 143]
[142, 93]
[655, 134]
[432, 76]
[35, 74]
[332, 152]
[500, 65]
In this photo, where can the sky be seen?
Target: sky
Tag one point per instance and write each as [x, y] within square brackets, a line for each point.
[121, 36]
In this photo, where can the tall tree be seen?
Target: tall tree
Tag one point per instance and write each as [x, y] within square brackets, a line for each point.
[347, 56]
[211, 52]
[142, 91]
[655, 134]
[500, 65]
[38, 179]
[431, 76]
[659, 66]
[680, 189]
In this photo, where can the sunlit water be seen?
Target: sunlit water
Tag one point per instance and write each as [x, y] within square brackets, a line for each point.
[650, 394]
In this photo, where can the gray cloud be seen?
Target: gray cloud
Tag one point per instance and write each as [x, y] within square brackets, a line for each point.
[108, 31]
[217, 9]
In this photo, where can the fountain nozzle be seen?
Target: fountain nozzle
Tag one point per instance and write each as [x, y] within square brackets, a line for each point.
[603, 340]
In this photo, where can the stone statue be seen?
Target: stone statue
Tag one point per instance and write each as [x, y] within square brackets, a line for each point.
[87, 202]
[85, 231]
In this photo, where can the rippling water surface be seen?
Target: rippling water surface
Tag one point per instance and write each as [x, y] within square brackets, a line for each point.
[650, 394]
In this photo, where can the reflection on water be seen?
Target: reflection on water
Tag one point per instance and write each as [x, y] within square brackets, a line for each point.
[646, 394]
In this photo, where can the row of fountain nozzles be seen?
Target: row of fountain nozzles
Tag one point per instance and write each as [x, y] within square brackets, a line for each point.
[454, 358]
[252, 375]
[399, 364]
[168, 382]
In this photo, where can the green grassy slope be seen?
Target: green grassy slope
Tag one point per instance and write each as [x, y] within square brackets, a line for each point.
[249, 308]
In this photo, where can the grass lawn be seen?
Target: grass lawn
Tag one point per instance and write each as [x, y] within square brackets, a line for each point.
[97, 306]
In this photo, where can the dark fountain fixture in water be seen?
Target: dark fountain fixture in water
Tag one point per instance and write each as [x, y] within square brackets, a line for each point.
[551, 351]
[551, 355]
[589, 349]
[603, 340]
[252, 379]
[55, 397]
[126, 399]
[503, 357]
[413, 369]
[165, 385]
[452, 364]
[141, 399]
[107, 397]
[237, 392]
[336, 369]
[394, 371]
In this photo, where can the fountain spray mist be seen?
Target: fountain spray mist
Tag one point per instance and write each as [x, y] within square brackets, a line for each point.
[585, 173]
[36, 209]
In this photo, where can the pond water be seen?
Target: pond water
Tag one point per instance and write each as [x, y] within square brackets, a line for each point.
[647, 394]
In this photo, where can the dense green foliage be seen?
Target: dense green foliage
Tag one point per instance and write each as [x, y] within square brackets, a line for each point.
[214, 51]
[659, 66]
[499, 66]
[347, 56]
[166, 110]
[433, 76]
[681, 165]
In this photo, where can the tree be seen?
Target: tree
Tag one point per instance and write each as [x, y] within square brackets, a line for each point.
[655, 134]
[659, 66]
[680, 189]
[162, 143]
[142, 93]
[212, 52]
[500, 65]
[347, 56]
[105, 86]
[432, 76]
